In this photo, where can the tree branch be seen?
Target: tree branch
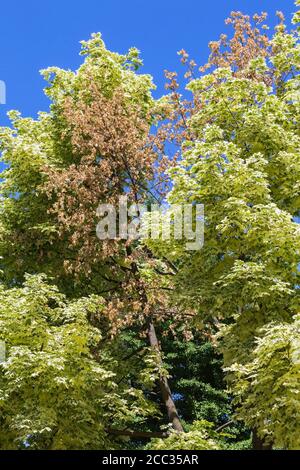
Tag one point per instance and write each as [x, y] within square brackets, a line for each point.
[136, 434]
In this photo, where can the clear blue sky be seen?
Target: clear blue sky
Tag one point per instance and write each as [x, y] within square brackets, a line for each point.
[36, 34]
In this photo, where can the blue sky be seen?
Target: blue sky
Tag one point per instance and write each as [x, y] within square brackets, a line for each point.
[36, 34]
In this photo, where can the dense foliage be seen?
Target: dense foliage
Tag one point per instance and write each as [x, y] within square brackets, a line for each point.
[130, 343]
[56, 374]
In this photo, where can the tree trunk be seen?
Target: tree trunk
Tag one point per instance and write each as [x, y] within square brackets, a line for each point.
[164, 385]
[258, 443]
[163, 381]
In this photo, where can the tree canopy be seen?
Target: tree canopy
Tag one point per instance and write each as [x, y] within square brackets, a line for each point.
[126, 343]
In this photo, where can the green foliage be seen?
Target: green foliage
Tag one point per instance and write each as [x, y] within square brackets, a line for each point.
[243, 163]
[65, 378]
[198, 437]
[197, 382]
[58, 385]
[267, 386]
[196, 379]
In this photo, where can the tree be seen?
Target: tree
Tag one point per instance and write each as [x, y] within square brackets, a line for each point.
[91, 350]
[240, 158]
[91, 147]
[60, 383]
[268, 384]
[199, 389]
[61, 167]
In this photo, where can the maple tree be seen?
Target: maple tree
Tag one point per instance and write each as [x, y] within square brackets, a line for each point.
[240, 158]
[91, 147]
[100, 330]
[59, 370]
